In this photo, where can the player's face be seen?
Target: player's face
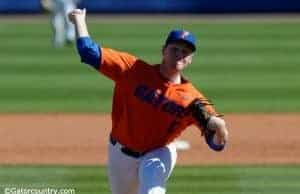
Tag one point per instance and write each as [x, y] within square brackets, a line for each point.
[177, 55]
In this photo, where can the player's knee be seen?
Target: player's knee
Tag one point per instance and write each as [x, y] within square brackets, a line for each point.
[153, 172]
[157, 190]
[153, 190]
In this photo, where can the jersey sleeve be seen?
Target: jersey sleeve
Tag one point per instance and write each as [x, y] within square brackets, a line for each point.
[89, 51]
[115, 64]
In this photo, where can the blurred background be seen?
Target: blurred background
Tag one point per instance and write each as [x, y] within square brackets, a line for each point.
[247, 59]
[166, 6]
[55, 111]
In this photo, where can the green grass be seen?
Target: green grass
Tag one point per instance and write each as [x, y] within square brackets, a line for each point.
[241, 67]
[184, 180]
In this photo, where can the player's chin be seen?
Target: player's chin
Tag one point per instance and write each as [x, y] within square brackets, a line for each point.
[180, 66]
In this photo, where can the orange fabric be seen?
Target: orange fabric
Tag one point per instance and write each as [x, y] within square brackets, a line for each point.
[148, 112]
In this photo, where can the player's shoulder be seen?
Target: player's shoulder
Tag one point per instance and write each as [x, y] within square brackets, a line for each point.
[193, 90]
[113, 51]
[136, 63]
[142, 67]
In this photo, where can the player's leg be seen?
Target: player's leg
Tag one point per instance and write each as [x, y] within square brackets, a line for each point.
[155, 169]
[69, 5]
[57, 22]
[122, 171]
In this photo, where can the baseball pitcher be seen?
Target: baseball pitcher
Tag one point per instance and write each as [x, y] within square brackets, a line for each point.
[152, 105]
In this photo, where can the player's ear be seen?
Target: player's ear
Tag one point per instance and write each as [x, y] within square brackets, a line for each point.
[190, 58]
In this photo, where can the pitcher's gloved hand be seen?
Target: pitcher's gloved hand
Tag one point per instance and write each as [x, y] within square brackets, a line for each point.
[198, 111]
[213, 128]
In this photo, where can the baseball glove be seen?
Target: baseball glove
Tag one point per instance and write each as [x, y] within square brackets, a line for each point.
[200, 114]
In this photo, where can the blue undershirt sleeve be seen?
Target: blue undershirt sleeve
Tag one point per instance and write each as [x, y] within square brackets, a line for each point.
[89, 51]
[209, 140]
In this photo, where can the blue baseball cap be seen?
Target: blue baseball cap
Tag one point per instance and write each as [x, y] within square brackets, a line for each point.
[182, 35]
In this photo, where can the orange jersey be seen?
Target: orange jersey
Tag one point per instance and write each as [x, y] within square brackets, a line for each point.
[148, 111]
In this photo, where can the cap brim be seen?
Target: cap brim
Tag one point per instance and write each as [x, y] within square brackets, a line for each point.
[188, 43]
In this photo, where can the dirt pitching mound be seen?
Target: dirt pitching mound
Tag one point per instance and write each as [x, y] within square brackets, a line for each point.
[83, 139]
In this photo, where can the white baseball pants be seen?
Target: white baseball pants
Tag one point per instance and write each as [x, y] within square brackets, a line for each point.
[144, 175]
